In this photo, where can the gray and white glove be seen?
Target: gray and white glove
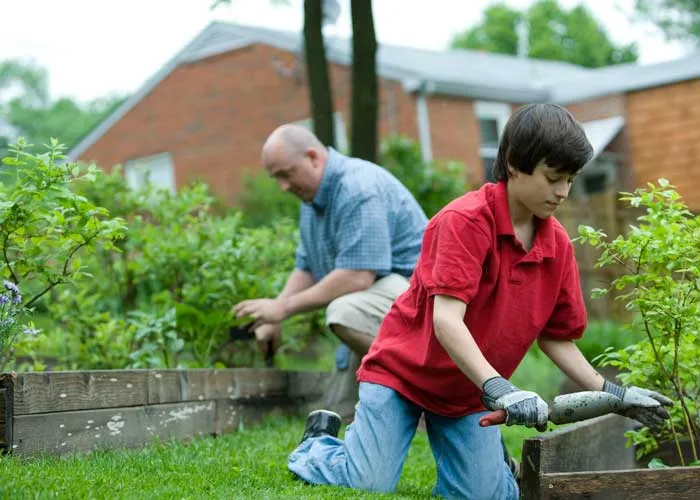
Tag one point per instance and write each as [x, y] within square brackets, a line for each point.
[642, 405]
[521, 407]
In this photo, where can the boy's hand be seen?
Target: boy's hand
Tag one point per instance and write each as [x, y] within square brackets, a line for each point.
[522, 407]
[642, 405]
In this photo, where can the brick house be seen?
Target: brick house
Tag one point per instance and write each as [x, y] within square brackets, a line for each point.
[206, 113]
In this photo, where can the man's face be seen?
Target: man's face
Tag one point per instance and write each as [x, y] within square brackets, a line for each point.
[298, 174]
[542, 191]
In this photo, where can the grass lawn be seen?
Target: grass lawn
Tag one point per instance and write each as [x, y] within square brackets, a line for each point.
[249, 464]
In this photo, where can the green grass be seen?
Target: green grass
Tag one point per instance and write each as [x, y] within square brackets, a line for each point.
[249, 464]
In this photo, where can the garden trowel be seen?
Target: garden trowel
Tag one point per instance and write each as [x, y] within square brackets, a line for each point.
[568, 408]
[244, 332]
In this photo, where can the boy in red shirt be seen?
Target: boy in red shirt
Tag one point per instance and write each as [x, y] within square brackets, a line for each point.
[496, 273]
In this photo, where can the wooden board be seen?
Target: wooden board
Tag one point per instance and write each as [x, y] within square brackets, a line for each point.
[592, 445]
[2, 420]
[641, 484]
[80, 390]
[170, 386]
[88, 430]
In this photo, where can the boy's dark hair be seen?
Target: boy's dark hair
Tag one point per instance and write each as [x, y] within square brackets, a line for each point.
[539, 132]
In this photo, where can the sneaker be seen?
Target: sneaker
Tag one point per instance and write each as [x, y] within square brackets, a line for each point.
[321, 423]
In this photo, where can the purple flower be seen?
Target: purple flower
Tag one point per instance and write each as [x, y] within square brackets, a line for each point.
[11, 287]
[31, 331]
[4, 299]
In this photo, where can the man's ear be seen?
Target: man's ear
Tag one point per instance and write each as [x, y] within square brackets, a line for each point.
[314, 155]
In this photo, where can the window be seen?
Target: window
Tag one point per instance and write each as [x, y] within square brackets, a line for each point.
[156, 169]
[341, 138]
[492, 118]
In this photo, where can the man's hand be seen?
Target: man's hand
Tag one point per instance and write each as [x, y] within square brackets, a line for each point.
[268, 337]
[263, 311]
[642, 405]
[522, 407]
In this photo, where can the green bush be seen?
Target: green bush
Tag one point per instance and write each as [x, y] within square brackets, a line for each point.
[48, 232]
[660, 261]
[262, 201]
[434, 184]
[165, 299]
[604, 335]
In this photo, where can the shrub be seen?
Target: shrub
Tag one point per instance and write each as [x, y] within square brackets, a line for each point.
[433, 184]
[660, 258]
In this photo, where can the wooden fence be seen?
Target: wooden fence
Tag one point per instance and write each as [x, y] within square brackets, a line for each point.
[590, 460]
[601, 211]
[61, 412]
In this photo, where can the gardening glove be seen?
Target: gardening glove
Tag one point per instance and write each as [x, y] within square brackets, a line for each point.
[642, 405]
[521, 407]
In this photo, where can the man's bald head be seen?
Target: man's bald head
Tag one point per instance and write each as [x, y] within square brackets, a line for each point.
[291, 140]
[296, 159]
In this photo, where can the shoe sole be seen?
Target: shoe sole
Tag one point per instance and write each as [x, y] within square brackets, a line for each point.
[327, 412]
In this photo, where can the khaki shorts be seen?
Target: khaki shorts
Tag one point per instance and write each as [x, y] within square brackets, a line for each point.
[364, 311]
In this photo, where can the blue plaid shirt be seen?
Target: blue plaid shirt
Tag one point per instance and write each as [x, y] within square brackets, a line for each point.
[361, 218]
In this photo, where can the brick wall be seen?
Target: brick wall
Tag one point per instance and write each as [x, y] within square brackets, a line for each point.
[596, 109]
[663, 126]
[454, 133]
[214, 115]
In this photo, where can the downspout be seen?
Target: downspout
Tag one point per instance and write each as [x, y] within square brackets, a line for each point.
[423, 119]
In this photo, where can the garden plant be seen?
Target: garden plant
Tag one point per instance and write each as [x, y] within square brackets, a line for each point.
[657, 265]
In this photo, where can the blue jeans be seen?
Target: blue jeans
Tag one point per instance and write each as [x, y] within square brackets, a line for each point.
[469, 458]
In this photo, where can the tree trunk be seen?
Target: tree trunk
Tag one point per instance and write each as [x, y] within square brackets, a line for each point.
[320, 95]
[363, 141]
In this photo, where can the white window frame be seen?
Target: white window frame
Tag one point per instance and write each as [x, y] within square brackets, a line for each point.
[490, 110]
[341, 136]
[138, 172]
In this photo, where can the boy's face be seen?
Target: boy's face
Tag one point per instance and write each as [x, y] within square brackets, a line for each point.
[543, 191]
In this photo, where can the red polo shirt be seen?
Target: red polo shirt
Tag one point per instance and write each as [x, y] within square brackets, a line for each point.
[470, 252]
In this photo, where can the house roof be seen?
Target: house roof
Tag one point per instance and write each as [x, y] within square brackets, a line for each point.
[474, 74]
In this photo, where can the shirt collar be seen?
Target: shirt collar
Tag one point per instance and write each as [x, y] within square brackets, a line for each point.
[330, 174]
[544, 245]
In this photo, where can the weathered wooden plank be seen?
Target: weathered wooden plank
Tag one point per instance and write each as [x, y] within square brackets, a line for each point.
[592, 445]
[260, 383]
[235, 415]
[181, 420]
[7, 382]
[306, 385]
[87, 430]
[79, 431]
[171, 386]
[82, 390]
[641, 484]
[2, 420]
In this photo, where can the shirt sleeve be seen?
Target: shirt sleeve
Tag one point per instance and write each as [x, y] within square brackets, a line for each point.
[455, 248]
[568, 320]
[362, 236]
[300, 261]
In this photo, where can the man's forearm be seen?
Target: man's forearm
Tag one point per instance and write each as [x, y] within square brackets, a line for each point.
[567, 356]
[297, 281]
[335, 284]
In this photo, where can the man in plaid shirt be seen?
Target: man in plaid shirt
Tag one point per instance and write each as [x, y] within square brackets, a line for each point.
[361, 233]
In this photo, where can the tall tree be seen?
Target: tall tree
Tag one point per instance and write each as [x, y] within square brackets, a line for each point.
[554, 33]
[363, 137]
[27, 80]
[320, 93]
[65, 119]
[678, 19]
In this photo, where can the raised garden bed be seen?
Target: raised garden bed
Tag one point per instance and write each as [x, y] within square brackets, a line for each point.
[590, 460]
[62, 412]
